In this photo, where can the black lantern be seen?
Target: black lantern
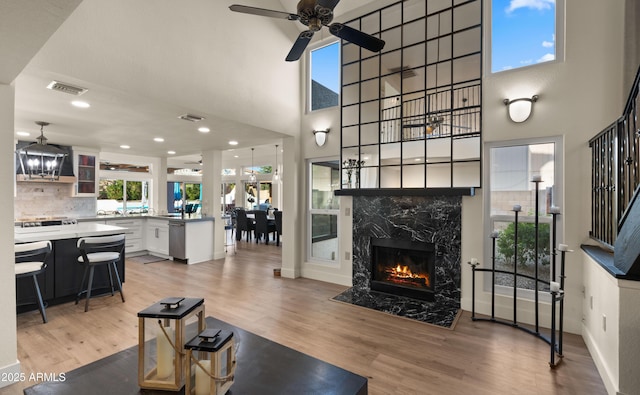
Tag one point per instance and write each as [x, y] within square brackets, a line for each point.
[40, 160]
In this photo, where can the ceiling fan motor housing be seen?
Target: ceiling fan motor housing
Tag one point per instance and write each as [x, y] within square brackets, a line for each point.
[313, 15]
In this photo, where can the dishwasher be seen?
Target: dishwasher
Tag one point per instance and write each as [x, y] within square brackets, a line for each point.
[177, 240]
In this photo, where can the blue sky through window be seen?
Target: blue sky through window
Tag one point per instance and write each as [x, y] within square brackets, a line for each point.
[523, 33]
[325, 66]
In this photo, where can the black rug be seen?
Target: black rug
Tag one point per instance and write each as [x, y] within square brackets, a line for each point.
[442, 312]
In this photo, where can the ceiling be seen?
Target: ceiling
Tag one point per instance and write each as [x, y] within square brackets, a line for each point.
[147, 62]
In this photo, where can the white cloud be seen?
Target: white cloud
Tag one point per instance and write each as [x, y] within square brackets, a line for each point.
[547, 57]
[533, 4]
[547, 44]
[526, 62]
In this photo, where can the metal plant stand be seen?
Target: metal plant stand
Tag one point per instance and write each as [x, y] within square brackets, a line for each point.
[556, 289]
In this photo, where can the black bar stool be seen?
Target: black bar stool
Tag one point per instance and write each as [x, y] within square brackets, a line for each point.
[29, 262]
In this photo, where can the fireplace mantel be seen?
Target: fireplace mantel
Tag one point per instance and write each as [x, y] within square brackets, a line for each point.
[406, 192]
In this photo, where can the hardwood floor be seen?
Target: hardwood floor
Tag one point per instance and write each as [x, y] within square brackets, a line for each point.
[399, 356]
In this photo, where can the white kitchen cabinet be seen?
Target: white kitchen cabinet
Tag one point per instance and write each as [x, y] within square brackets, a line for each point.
[157, 236]
[85, 167]
[134, 235]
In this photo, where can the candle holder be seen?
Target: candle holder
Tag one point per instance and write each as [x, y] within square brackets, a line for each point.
[211, 363]
[161, 339]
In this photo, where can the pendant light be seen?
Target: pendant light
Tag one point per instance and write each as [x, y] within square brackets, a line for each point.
[40, 160]
[252, 176]
[276, 176]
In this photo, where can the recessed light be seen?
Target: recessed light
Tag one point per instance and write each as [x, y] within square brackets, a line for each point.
[125, 147]
[236, 156]
[418, 159]
[23, 133]
[204, 129]
[158, 139]
[80, 104]
[233, 142]
[171, 152]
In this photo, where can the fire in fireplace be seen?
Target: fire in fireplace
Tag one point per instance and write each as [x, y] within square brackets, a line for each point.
[401, 267]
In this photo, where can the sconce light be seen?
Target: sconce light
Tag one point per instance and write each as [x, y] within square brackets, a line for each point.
[321, 136]
[520, 109]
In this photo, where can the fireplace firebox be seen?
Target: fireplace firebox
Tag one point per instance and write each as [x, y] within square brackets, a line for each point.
[402, 267]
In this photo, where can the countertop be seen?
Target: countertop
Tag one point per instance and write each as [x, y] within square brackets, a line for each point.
[59, 232]
[172, 218]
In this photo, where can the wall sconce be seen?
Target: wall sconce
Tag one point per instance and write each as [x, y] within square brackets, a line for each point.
[321, 136]
[520, 109]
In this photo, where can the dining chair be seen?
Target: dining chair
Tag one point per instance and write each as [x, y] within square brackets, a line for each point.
[263, 226]
[243, 224]
[30, 260]
[278, 218]
[99, 251]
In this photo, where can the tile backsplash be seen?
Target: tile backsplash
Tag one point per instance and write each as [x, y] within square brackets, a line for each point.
[50, 200]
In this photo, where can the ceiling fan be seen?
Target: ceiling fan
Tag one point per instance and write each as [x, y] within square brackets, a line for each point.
[315, 14]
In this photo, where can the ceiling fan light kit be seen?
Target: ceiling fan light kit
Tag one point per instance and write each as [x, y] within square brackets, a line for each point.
[315, 14]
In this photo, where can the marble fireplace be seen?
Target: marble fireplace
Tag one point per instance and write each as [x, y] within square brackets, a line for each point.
[432, 223]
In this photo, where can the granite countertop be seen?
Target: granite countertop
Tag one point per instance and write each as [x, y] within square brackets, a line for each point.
[170, 217]
[59, 232]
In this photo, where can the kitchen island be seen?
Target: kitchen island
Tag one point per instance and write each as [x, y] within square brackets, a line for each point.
[188, 240]
[59, 282]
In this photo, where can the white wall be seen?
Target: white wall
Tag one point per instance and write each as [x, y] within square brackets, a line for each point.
[8, 346]
[578, 98]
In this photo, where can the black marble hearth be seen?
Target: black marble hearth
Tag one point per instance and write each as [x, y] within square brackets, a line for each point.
[429, 219]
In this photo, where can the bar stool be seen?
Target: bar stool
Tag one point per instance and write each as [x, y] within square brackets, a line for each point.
[30, 260]
[97, 251]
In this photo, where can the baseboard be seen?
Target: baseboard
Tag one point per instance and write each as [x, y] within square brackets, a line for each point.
[10, 374]
[609, 381]
[321, 275]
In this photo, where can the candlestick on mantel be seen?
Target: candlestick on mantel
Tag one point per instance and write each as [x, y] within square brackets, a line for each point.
[554, 210]
[554, 286]
[536, 178]
[563, 247]
[495, 234]
[517, 207]
[474, 261]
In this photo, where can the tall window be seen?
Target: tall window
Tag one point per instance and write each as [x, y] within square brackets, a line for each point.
[324, 208]
[512, 168]
[258, 195]
[524, 33]
[325, 76]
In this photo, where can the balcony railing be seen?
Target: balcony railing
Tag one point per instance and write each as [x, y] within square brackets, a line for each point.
[615, 156]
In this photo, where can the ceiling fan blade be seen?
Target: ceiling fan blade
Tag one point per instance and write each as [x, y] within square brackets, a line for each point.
[299, 46]
[357, 37]
[331, 4]
[263, 12]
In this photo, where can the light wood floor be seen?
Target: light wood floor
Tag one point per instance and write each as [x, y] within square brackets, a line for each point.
[399, 356]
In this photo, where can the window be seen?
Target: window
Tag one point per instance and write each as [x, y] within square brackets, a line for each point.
[258, 195]
[324, 208]
[117, 196]
[325, 76]
[511, 170]
[524, 33]
[228, 197]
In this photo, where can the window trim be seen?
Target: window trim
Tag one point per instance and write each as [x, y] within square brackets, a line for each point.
[321, 44]
[558, 200]
[560, 24]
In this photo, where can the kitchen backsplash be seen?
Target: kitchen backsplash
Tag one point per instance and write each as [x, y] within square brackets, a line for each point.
[50, 200]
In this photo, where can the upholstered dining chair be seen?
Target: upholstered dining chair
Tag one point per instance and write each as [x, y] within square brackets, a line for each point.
[243, 224]
[98, 251]
[30, 260]
[278, 216]
[263, 226]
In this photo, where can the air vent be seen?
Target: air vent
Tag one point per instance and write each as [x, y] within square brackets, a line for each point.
[407, 72]
[191, 118]
[66, 88]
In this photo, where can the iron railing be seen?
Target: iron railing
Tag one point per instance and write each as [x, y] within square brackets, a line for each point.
[615, 157]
